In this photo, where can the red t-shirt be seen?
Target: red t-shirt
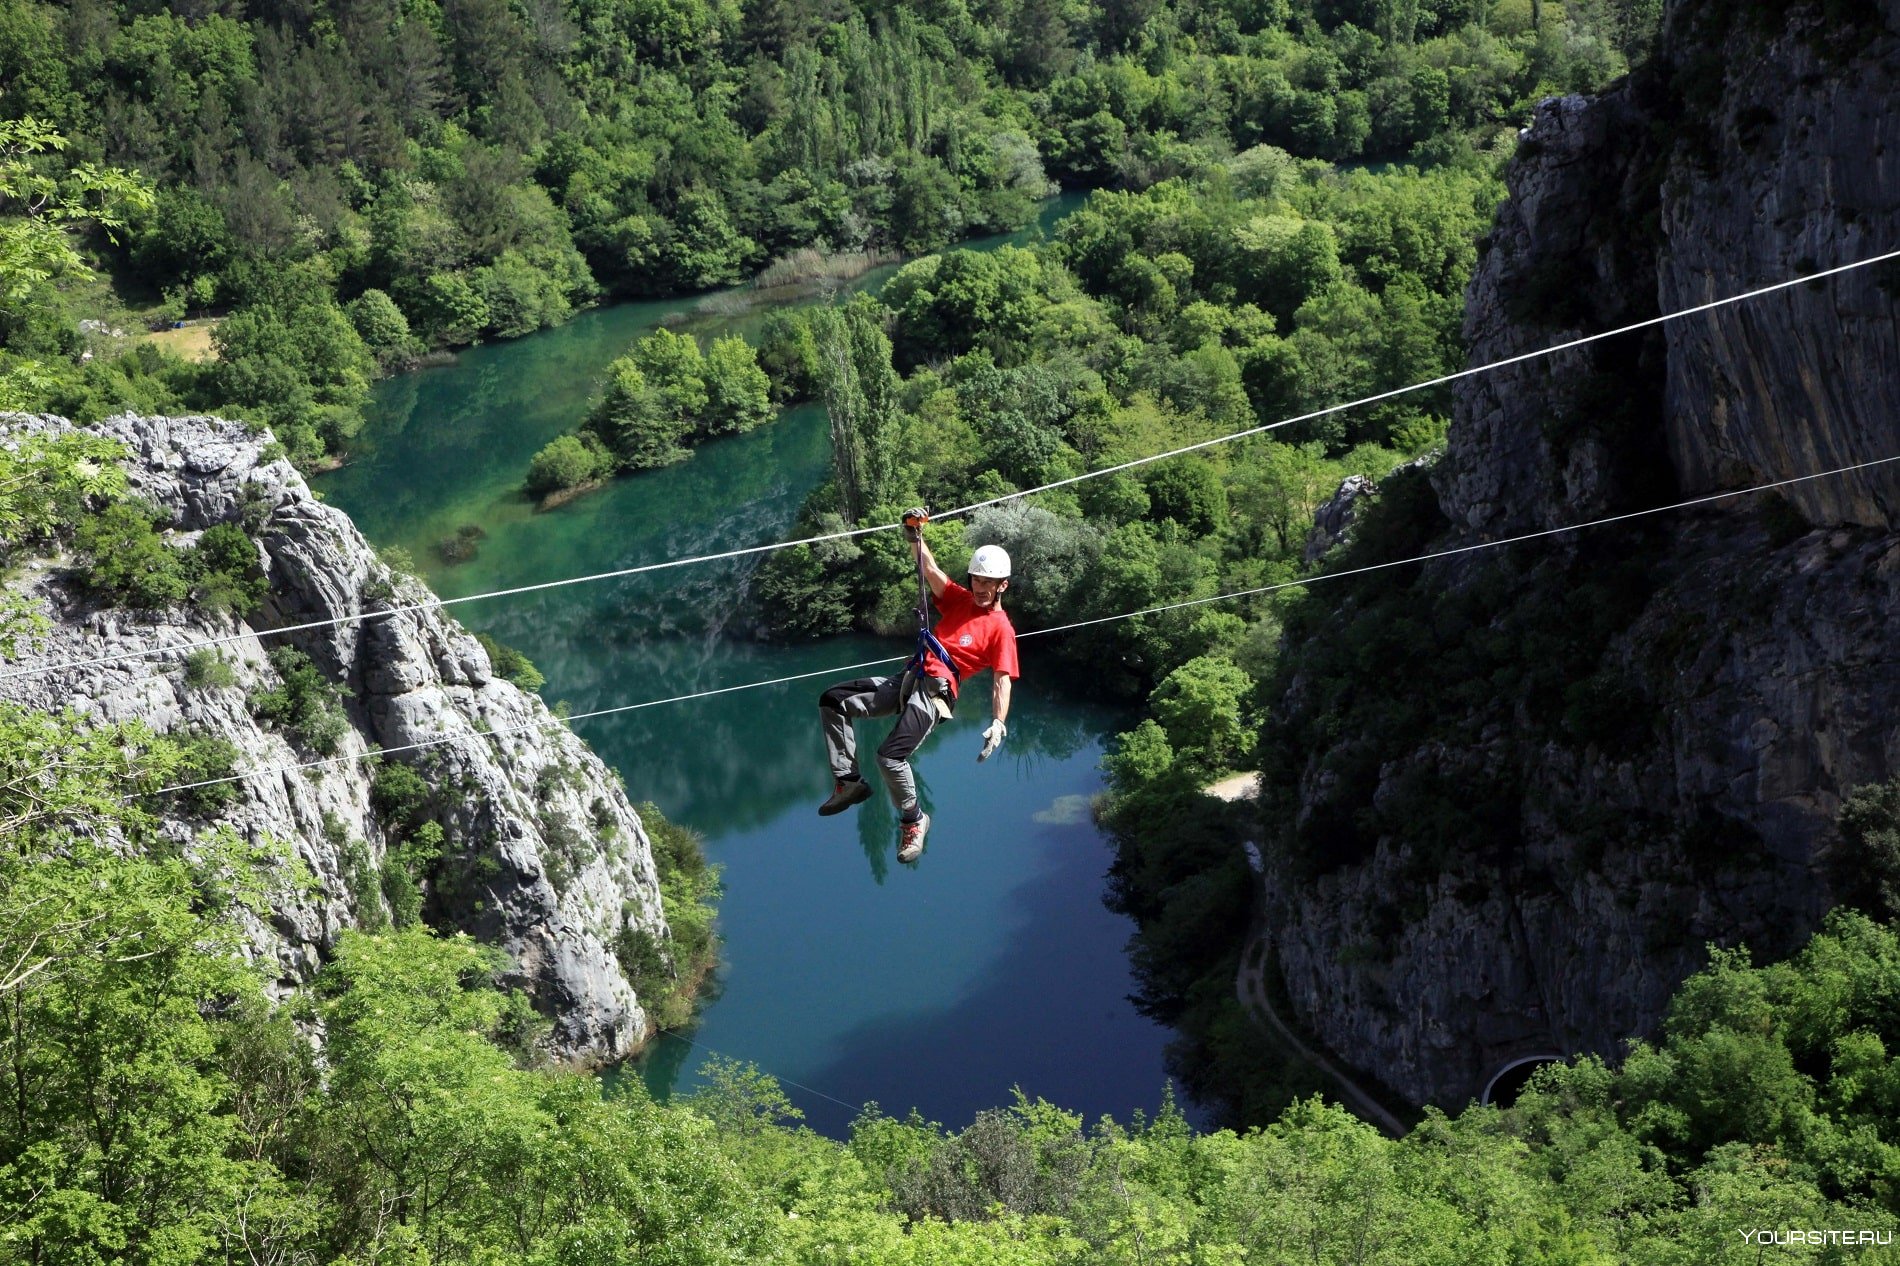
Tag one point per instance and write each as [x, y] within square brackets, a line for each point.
[976, 639]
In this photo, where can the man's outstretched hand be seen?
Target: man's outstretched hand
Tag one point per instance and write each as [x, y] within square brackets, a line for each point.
[914, 520]
[992, 739]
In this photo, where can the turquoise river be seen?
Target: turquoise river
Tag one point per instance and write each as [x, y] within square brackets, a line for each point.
[991, 964]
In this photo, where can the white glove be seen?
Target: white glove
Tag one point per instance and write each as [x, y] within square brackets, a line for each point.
[992, 739]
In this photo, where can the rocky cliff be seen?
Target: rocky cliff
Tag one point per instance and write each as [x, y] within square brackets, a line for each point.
[1615, 748]
[542, 853]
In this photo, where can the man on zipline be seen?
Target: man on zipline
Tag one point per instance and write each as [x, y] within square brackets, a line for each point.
[974, 634]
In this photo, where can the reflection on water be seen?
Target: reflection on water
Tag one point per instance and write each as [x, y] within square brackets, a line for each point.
[990, 963]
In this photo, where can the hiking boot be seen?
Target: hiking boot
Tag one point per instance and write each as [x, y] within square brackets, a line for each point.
[845, 793]
[910, 838]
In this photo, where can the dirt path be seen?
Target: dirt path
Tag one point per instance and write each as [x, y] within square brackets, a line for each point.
[1238, 787]
[1248, 987]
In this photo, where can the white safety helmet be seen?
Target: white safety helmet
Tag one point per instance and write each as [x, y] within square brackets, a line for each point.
[990, 562]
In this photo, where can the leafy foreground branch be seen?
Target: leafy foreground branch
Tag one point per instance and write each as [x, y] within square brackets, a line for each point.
[157, 1109]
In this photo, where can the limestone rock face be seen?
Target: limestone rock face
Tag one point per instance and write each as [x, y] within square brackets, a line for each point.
[544, 855]
[1808, 378]
[1759, 674]
[1658, 197]
[1536, 444]
[1771, 699]
[1333, 520]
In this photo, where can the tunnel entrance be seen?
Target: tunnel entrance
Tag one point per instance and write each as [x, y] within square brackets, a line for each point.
[1509, 1081]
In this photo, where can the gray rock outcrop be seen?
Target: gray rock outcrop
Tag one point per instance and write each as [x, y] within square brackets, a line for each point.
[1683, 789]
[1333, 520]
[544, 856]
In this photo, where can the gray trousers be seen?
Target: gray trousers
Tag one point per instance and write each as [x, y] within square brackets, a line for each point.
[916, 717]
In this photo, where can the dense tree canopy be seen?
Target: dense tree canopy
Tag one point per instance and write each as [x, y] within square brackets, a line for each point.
[488, 167]
[160, 1110]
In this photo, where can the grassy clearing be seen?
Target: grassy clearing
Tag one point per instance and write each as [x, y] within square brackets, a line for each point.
[193, 342]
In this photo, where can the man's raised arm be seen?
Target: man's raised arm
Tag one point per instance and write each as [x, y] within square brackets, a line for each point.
[935, 576]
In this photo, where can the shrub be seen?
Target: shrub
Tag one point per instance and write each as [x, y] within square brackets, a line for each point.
[799, 593]
[127, 561]
[401, 798]
[383, 328]
[205, 669]
[511, 665]
[1140, 756]
[644, 963]
[1051, 557]
[1864, 864]
[1189, 491]
[788, 352]
[202, 757]
[323, 730]
[664, 976]
[405, 868]
[401, 893]
[46, 481]
[738, 392]
[651, 401]
[226, 575]
[303, 702]
[361, 877]
[1608, 708]
[449, 309]
[1783, 520]
[566, 461]
[519, 297]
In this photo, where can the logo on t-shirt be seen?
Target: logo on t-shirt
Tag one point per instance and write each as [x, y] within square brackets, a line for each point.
[965, 640]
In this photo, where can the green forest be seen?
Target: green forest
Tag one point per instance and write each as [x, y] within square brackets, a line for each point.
[1287, 198]
[159, 1110]
[346, 186]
